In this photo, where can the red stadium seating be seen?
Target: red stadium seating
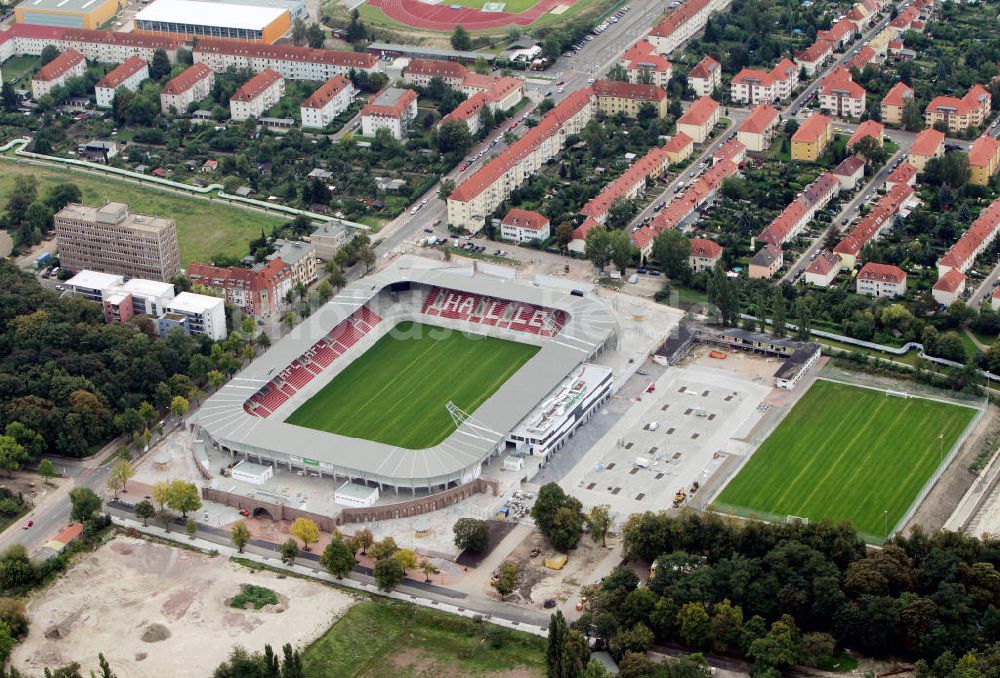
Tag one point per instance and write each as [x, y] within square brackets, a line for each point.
[475, 308]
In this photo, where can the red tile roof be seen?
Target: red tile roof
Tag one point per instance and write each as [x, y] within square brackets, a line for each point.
[840, 81]
[898, 95]
[31, 31]
[864, 57]
[126, 70]
[812, 129]
[820, 190]
[549, 125]
[976, 97]
[468, 108]
[733, 151]
[133, 39]
[983, 150]
[187, 79]
[983, 229]
[326, 92]
[256, 50]
[784, 70]
[950, 281]
[850, 166]
[678, 143]
[814, 52]
[256, 85]
[627, 90]
[393, 110]
[826, 262]
[687, 11]
[838, 31]
[702, 247]
[435, 68]
[643, 54]
[58, 66]
[869, 128]
[885, 209]
[634, 175]
[761, 118]
[904, 174]
[703, 69]
[882, 272]
[700, 112]
[525, 219]
[700, 190]
[927, 142]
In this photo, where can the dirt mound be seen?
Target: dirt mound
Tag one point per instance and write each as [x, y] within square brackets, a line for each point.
[139, 656]
[154, 633]
[122, 548]
[55, 633]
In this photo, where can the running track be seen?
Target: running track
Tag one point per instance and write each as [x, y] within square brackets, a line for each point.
[443, 18]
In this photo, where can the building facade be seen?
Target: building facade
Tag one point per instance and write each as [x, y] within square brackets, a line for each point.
[705, 77]
[192, 85]
[69, 64]
[881, 280]
[202, 314]
[111, 240]
[811, 138]
[260, 291]
[698, 121]
[524, 226]
[331, 99]
[392, 109]
[257, 94]
[129, 75]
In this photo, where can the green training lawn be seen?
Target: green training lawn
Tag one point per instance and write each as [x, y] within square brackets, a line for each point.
[397, 391]
[845, 452]
[391, 638]
[204, 228]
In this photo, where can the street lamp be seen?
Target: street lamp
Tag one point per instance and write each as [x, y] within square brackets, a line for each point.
[885, 519]
[940, 448]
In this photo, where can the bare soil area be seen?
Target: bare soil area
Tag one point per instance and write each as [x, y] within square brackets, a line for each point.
[155, 610]
[537, 583]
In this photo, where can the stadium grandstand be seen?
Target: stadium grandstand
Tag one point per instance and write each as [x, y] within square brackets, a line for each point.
[247, 418]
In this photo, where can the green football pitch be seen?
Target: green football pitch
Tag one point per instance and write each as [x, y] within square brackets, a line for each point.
[396, 392]
[845, 452]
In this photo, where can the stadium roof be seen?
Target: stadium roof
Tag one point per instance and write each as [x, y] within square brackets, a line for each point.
[458, 457]
[233, 15]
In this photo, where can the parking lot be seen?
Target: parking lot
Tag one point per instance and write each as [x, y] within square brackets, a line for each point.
[672, 438]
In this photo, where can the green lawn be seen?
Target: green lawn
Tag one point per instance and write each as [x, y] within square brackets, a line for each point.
[845, 452]
[204, 228]
[397, 391]
[391, 638]
[18, 67]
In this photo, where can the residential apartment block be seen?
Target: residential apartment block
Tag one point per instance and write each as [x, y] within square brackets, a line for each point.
[291, 62]
[392, 109]
[524, 226]
[705, 254]
[698, 120]
[260, 291]
[683, 23]
[331, 99]
[705, 77]
[644, 65]
[973, 242]
[972, 110]
[801, 211]
[754, 87]
[811, 138]
[197, 314]
[758, 129]
[984, 159]
[928, 144]
[814, 57]
[256, 95]
[894, 102]
[300, 256]
[628, 99]
[898, 201]
[69, 64]
[881, 280]
[112, 240]
[192, 85]
[839, 95]
[129, 75]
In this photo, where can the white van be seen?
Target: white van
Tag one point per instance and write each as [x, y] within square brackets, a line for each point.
[634, 278]
[653, 425]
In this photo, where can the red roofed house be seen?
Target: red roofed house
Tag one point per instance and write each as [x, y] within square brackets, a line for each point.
[881, 280]
[476, 197]
[758, 87]
[643, 64]
[626, 98]
[839, 95]
[698, 120]
[503, 92]
[259, 291]
[866, 55]
[823, 269]
[928, 144]
[705, 254]
[683, 23]
[524, 225]
[811, 138]
[758, 129]
[973, 242]
[331, 99]
[984, 159]
[631, 184]
[815, 56]
[869, 128]
[972, 110]
[705, 76]
[69, 64]
[897, 201]
[949, 288]
[893, 103]
[904, 174]
[422, 71]
[392, 109]
[679, 148]
[128, 75]
[257, 94]
[850, 172]
[733, 151]
[840, 34]
[194, 84]
[801, 210]
[766, 262]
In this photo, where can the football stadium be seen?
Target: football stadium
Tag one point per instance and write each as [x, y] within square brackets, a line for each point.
[413, 378]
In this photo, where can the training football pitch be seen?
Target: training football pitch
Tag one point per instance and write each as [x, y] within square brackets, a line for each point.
[845, 452]
[396, 392]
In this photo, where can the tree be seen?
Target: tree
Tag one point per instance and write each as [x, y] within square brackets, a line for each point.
[240, 535]
[778, 324]
[9, 98]
[160, 65]
[460, 39]
[406, 558]
[46, 470]
[356, 30]
[599, 521]
[913, 117]
[637, 638]
[306, 530]
[506, 580]
[726, 626]
[672, 251]
[315, 36]
[428, 569]
[364, 539]
[120, 474]
[12, 453]
[384, 549]
[620, 213]
[454, 137]
[617, 72]
[337, 558]
[446, 187]
[7, 643]
[558, 516]
[83, 504]
[49, 52]
[779, 649]
[621, 250]
[62, 194]
[871, 150]
[145, 510]
[694, 625]
[299, 31]
[555, 649]
[815, 649]
[597, 247]
[471, 534]
[388, 574]
[289, 551]
[183, 496]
